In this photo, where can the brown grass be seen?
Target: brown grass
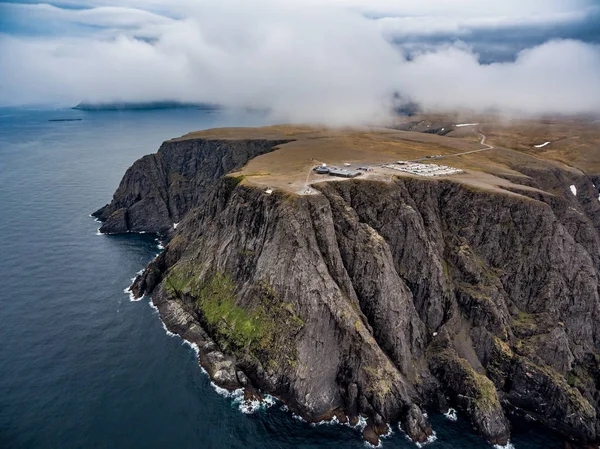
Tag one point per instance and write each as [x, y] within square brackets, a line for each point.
[575, 144]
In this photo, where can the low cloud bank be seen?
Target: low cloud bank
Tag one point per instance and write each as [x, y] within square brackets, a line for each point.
[304, 61]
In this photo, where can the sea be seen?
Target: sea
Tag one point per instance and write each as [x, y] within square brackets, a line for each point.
[83, 366]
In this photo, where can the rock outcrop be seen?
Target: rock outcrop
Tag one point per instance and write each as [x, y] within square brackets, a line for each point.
[377, 299]
[161, 188]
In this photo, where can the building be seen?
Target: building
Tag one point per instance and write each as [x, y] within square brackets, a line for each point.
[344, 173]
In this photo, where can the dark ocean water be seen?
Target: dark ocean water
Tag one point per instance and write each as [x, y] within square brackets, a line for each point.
[80, 365]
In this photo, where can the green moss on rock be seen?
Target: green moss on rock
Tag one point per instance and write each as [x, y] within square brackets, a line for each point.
[261, 329]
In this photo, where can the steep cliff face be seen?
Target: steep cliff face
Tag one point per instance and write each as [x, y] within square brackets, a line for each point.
[159, 189]
[379, 299]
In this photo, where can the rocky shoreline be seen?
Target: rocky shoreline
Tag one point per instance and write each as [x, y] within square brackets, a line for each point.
[377, 299]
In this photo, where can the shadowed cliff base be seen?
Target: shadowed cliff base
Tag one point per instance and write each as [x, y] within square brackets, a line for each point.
[378, 297]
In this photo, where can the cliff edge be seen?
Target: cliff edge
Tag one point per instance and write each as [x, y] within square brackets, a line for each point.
[377, 299]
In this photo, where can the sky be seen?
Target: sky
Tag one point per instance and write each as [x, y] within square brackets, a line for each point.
[328, 61]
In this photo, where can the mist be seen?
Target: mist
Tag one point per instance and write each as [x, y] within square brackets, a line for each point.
[333, 61]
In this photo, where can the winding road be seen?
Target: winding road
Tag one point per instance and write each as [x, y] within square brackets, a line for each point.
[482, 142]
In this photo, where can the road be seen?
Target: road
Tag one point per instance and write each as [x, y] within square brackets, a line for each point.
[482, 142]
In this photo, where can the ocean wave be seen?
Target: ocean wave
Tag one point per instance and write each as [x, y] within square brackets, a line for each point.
[153, 307]
[194, 346]
[331, 422]
[451, 415]
[508, 446]
[430, 439]
[167, 331]
[389, 433]
[132, 297]
[252, 406]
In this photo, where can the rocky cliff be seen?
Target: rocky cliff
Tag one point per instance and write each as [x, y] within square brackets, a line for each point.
[377, 299]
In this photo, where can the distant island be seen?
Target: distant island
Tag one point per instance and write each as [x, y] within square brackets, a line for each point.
[128, 106]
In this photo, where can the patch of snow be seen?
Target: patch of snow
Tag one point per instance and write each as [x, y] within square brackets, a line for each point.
[466, 124]
[443, 129]
[175, 225]
[573, 190]
[542, 145]
[598, 197]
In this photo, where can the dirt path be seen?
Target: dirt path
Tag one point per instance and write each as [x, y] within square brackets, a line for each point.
[482, 142]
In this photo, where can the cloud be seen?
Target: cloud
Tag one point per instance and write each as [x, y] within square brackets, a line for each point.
[328, 61]
[556, 77]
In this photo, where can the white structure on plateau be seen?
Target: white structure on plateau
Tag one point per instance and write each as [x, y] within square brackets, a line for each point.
[428, 170]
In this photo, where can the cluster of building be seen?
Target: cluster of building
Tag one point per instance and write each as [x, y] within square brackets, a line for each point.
[335, 171]
[415, 168]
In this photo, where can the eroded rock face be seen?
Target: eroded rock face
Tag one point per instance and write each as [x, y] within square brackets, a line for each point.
[159, 189]
[378, 299]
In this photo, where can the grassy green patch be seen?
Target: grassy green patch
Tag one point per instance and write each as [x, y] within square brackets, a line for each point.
[263, 329]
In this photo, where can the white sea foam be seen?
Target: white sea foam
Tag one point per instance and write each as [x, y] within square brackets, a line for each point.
[153, 307]
[194, 346]
[508, 446]
[389, 433]
[332, 421]
[451, 415]
[362, 423]
[430, 439]
[98, 232]
[573, 189]
[132, 297]
[542, 145]
[466, 124]
[367, 444]
[251, 406]
[167, 331]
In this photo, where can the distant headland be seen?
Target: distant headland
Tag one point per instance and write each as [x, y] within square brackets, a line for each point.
[126, 106]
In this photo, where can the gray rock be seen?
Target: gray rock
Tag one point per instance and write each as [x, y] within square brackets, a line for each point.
[370, 298]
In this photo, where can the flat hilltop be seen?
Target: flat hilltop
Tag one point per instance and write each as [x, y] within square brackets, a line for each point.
[491, 152]
[466, 277]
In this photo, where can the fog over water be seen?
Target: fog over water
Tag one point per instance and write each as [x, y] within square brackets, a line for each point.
[332, 61]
